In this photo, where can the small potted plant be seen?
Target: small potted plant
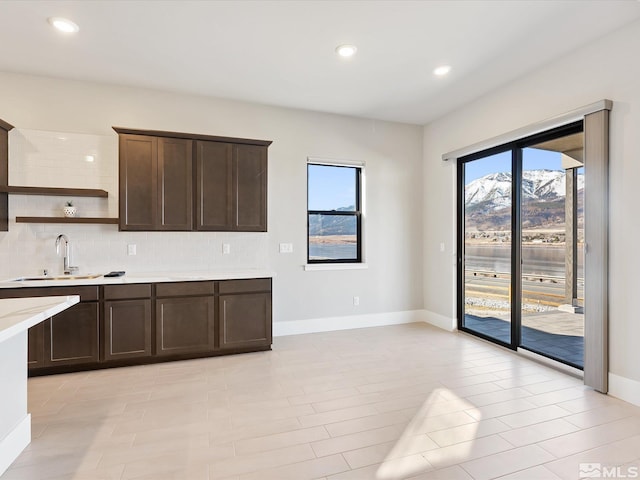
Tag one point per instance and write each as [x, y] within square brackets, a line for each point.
[69, 209]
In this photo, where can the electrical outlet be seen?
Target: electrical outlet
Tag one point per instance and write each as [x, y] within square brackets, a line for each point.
[356, 301]
[226, 248]
[132, 249]
[286, 248]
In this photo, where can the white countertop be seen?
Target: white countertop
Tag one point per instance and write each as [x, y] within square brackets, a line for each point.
[141, 277]
[19, 314]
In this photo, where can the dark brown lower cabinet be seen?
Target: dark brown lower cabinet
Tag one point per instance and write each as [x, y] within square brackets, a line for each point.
[185, 325]
[245, 313]
[71, 337]
[127, 329]
[36, 346]
[245, 320]
[144, 323]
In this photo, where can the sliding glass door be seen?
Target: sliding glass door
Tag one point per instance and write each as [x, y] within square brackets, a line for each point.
[553, 251]
[488, 205]
[521, 279]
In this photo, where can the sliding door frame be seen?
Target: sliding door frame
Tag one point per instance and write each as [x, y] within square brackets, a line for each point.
[596, 149]
[595, 126]
[460, 284]
[596, 265]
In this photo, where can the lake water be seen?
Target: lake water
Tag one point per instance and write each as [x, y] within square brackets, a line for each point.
[328, 250]
[536, 260]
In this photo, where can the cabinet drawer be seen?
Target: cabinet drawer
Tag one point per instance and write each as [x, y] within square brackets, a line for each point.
[181, 289]
[118, 292]
[242, 286]
[87, 293]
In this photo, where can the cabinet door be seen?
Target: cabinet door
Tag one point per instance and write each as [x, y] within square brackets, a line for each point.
[214, 177]
[185, 325]
[175, 177]
[71, 337]
[250, 186]
[4, 179]
[127, 329]
[36, 346]
[138, 182]
[245, 320]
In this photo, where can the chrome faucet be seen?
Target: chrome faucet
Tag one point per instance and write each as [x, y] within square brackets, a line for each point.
[66, 268]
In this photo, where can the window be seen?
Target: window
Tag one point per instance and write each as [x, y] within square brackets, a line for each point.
[334, 217]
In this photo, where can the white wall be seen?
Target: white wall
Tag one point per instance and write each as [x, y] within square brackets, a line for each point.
[608, 69]
[392, 152]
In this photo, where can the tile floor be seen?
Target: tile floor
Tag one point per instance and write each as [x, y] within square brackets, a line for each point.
[397, 402]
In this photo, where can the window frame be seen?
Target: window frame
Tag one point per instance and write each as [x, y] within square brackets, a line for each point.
[356, 213]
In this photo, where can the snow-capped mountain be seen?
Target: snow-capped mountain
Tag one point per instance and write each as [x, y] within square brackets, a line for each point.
[494, 190]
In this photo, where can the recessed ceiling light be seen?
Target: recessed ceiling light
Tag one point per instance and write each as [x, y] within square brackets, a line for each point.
[89, 158]
[346, 50]
[63, 24]
[442, 70]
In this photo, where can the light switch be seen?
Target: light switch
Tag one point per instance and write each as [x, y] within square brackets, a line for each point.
[131, 249]
[226, 248]
[442, 246]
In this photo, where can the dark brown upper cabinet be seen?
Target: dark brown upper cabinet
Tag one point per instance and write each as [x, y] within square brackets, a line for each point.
[250, 188]
[214, 174]
[231, 190]
[181, 181]
[156, 180]
[4, 174]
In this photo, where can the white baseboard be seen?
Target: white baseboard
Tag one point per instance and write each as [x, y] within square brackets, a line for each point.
[440, 321]
[314, 325]
[14, 443]
[624, 388]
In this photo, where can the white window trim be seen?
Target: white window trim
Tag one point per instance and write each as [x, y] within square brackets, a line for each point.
[335, 162]
[335, 266]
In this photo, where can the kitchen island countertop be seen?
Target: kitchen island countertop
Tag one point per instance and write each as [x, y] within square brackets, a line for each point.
[19, 314]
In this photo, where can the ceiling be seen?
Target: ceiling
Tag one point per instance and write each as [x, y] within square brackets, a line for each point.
[282, 52]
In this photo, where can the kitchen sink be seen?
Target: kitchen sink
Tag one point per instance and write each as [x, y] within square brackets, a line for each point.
[58, 277]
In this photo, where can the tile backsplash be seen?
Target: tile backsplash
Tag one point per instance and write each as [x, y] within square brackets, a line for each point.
[60, 159]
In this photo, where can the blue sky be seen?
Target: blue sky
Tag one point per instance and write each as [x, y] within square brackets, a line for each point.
[331, 187]
[533, 159]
